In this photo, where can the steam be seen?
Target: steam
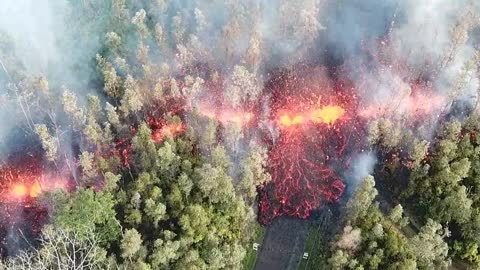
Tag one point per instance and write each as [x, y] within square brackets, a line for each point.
[363, 165]
[426, 40]
[43, 38]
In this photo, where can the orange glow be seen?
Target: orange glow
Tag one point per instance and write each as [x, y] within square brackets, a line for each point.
[35, 189]
[412, 106]
[328, 114]
[168, 130]
[228, 116]
[237, 118]
[286, 121]
[19, 190]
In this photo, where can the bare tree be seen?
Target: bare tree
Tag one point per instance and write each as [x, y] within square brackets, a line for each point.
[60, 249]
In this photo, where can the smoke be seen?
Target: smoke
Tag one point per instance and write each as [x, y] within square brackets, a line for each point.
[49, 40]
[53, 39]
[363, 165]
[34, 28]
[56, 40]
[387, 49]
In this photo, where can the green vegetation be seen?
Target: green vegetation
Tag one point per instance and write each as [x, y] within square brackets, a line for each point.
[371, 240]
[157, 183]
[155, 188]
[251, 255]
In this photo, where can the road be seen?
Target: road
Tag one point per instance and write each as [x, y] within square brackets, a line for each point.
[283, 245]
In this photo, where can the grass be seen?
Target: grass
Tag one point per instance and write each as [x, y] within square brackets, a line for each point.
[315, 246]
[251, 256]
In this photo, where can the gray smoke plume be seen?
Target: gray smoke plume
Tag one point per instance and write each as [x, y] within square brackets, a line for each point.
[363, 165]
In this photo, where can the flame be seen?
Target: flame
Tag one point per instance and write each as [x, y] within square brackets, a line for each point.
[328, 114]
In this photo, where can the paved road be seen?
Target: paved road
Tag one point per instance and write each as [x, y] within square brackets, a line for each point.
[283, 245]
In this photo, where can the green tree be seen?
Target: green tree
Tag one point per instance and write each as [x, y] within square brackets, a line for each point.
[131, 243]
[430, 248]
[359, 204]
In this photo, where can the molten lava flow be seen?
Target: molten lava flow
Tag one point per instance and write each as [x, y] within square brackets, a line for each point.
[22, 181]
[301, 182]
[318, 133]
[328, 114]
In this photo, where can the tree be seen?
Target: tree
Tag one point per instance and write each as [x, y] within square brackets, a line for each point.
[456, 206]
[112, 82]
[396, 215]
[87, 211]
[131, 243]
[214, 184]
[139, 21]
[87, 164]
[77, 115]
[113, 41]
[132, 101]
[242, 87]
[168, 160]
[419, 151]
[60, 249]
[195, 222]
[350, 238]
[253, 171]
[429, 247]
[359, 204]
[339, 260]
[144, 148]
[49, 143]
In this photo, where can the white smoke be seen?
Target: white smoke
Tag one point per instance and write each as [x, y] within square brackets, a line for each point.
[363, 165]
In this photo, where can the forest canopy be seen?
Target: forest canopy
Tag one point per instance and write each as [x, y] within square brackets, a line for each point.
[160, 134]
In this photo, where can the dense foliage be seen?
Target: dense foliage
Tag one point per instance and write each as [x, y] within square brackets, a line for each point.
[159, 185]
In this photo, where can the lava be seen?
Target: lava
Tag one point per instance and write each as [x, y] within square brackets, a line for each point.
[22, 181]
[227, 116]
[158, 135]
[287, 121]
[319, 131]
[35, 189]
[328, 114]
[19, 190]
[324, 115]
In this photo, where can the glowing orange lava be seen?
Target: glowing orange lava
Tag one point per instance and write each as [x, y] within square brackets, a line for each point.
[228, 116]
[35, 189]
[32, 187]
[328, 114]
[168, 130]
[19, 190]
[411, 107]
[286, 121]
